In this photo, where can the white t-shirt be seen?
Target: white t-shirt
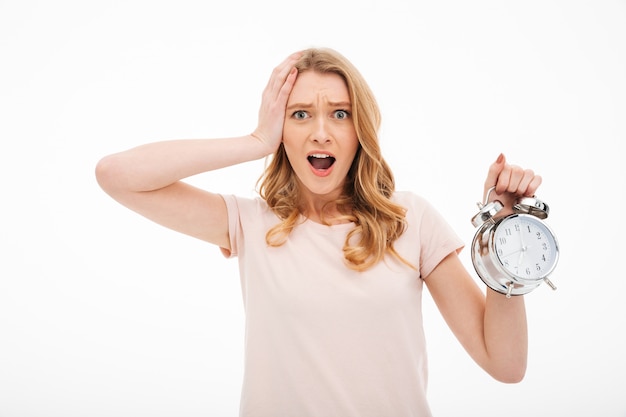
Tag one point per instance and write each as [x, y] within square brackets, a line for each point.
[321, 339]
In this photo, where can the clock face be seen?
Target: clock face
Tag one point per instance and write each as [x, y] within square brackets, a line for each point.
[525, 247]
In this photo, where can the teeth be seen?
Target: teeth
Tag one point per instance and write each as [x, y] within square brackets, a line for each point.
[319, 155]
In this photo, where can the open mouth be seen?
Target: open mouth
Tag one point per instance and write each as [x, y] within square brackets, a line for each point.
[321, 161]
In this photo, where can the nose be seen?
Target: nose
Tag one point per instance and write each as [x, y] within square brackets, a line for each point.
[321, 133]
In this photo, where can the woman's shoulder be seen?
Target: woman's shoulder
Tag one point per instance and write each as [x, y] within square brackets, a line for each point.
[418, 208]
[410, 199]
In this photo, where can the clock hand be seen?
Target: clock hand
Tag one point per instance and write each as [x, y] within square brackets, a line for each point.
[524, 247]
[521, 255]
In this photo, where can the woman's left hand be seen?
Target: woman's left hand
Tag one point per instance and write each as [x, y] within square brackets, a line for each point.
[511, 182]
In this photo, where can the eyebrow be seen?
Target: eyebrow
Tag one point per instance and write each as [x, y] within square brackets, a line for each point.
[341, 104]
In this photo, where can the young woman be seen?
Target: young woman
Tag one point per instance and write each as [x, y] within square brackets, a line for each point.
[332, 258]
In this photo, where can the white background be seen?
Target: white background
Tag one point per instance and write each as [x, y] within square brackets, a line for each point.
[103, 313]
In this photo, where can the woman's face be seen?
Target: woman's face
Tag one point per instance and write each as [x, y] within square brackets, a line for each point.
[318, 134]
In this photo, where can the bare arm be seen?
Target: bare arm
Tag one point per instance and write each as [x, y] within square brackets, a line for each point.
[147, 179]
[491, 327]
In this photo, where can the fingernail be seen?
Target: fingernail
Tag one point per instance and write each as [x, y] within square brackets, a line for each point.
[500, 158]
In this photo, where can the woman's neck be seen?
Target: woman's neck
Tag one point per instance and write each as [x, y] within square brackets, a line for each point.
[324, 211]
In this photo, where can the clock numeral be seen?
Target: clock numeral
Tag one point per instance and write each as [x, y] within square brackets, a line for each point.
[508, 232]
[527, 271]
[544, 245]
[502, 240]
[517, 227]
[538, 267]
[539, 235]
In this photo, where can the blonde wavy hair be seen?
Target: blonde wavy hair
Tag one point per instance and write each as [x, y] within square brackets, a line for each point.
[369, 184]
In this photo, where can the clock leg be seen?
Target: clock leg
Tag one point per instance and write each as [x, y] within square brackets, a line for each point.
[509, 289]
[547, 281]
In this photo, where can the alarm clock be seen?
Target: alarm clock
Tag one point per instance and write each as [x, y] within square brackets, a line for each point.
[514, 254]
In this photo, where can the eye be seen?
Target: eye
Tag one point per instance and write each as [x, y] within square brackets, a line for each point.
[299, 115]
[342, 114]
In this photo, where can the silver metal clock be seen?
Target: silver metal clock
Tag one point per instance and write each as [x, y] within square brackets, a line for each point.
[514, 254]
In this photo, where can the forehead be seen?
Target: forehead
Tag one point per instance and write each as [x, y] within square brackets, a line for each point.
[311, 86]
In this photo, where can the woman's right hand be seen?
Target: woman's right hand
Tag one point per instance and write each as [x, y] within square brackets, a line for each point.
[269, 130]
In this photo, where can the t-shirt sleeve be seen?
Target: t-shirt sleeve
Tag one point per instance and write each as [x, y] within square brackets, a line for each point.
[234, 226]
[437, 239]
